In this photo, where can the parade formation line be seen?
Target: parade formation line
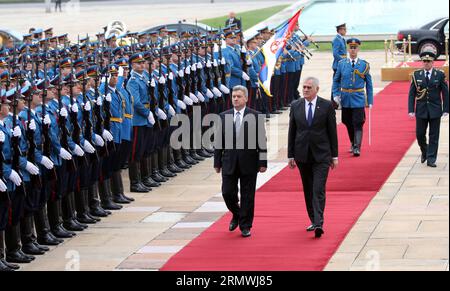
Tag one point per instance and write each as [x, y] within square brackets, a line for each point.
[279, 240]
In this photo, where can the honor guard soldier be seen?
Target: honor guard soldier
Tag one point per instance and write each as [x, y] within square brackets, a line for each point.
[339, 49]
[353, 90]
[428, 103]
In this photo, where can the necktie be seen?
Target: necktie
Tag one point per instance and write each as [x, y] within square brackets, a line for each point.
[310, 114]
[353, 64]
[237, 123]
[428, 77]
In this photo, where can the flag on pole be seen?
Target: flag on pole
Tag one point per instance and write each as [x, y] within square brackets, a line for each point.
[273, 49]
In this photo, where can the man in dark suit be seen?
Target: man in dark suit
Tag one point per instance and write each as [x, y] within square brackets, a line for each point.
[241, 153]
[313, 147]
[233, 20]
[428, 102]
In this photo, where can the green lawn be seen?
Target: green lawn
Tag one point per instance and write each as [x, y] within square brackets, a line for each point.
[365, 46]
[249, 18]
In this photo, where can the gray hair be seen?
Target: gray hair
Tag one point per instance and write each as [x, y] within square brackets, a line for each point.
[314, 80]
[242, 89]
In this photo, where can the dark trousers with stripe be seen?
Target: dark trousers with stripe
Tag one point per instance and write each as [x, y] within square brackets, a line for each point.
[430, 149]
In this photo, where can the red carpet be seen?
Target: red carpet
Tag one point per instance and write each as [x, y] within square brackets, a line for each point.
[418, 64]
[279, 240]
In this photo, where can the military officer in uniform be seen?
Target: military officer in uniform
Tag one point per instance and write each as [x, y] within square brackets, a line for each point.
[428, 103]
[339, 49]
[352, 84]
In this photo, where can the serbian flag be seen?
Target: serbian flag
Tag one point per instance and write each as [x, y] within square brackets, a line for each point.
[273, 49]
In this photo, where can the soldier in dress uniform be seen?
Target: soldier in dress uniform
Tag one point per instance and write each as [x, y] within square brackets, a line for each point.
[428, 103]
[339, 50]
[353, 90]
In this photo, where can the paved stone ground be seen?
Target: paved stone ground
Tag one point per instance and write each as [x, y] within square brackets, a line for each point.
[145, 234]
[137, 15]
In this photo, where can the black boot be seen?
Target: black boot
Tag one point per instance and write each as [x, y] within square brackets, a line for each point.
[118, 196]
[162, 161]
[106, 196]
[358, 142]
[4, 265]
[120, 185]
[171, 162]
[68, 210]
[83, 215]
[136, 185]
[195, 156]
[178, 157]
[26, 230]
[44, 236]
[146, 171]
[95, 208]
[55, 220]
[14, 252]
[156, 175]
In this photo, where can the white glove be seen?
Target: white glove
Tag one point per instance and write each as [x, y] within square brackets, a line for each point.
[161, 114]
[216, 92]
[243, 49]
[63, 112]
[32, 169]
[223, 61]
[171, 76]
[17, 132]
[87, 106]
[445, 114]
[181, 73]
[78, 151]
[108, 97]
[120, 71]
[64, 154]
[32, 125]
[15, 178]
[215, 64]
[181, 104]
[249, 62]
[47, 163]
[200, 97]
[245, 76]
[98, 140]
[337, 99]
[87, 147]
[2, 137]
[162, 80]
[193, 97]
[370, 106]
[187, 100]
[151, 118]
[224, 89]
[208, 64]
[171, 111]
[3, 187]
[193, 68]
[153, 83]
[199, 66]
[47, 120]
[188, 70]
[107, 135]
[412, 114]
[74, 108]
[99, 101]
[209, 94]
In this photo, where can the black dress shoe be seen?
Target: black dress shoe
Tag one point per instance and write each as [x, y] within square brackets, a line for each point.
[120, 199]
[27, 256]
[131, 199]
[99, 212]
[431, 165]
[96, 218]
[31, 249]
[246, 233]
[48, 240]
[182, 165]
[9, 265]
[423, 158]
[139, 188]
[166, 173]
[311, 228]
[4, 268]
[156, 176]
[84, 218]
[18, 258]
[174, 169]
[234, 224]
[61, 232]
[150, 183]
[356, 152]
[195, 156]
[41, 247]
[72, 225]
[110, 205]
[318, 232]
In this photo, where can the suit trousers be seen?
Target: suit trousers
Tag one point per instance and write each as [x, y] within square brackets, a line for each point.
[314, 179]
[430, 149]
[245, 212]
